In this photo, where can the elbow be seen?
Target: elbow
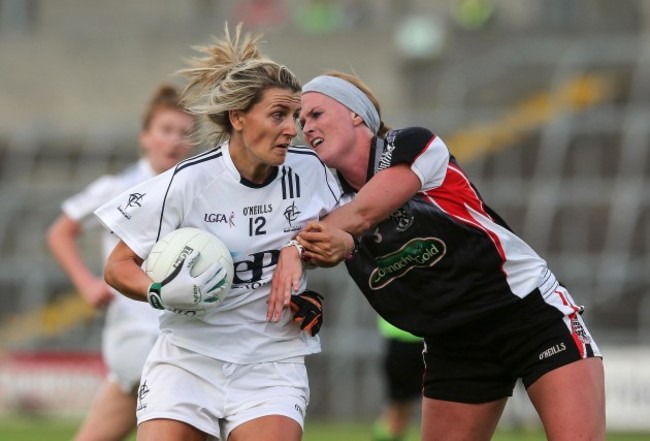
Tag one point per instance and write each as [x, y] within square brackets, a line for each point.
[108, 274]
[62, 233]
[51, 237]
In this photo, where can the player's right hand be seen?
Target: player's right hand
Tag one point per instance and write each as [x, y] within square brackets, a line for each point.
[185, 294]
[286, 281]
[97, 293]
[308, 311]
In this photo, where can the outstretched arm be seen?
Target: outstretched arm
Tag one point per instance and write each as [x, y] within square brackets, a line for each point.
[328, 242]
[325, 242]
[376, 200]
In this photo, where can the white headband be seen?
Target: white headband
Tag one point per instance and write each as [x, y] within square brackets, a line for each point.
[347, 94]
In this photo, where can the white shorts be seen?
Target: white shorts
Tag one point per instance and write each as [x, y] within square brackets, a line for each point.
[125, 354]
[216, 396]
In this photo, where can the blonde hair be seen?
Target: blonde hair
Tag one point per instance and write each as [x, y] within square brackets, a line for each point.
[165, 97]
[355, 81]
[233, 75]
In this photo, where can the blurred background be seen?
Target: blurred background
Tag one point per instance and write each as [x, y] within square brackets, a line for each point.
[545, 103]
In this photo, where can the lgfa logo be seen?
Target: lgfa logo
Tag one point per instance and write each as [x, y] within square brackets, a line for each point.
[219, 218]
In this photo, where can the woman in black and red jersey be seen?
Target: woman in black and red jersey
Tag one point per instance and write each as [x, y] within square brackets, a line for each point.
[433, 259]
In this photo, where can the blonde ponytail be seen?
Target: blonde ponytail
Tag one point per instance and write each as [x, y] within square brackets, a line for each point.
[232, 75]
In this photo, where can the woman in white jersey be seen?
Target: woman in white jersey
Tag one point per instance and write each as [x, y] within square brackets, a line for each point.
[225, 372]
[130, 327]
[434, 260]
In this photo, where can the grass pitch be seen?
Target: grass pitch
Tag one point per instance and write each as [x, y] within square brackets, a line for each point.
[20, 429]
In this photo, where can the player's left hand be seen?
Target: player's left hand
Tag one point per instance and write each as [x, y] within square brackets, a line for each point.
[183, 293]
[286, 281]
[325, 245]
[308, 311]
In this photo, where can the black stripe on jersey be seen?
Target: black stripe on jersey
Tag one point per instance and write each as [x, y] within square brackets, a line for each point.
[290, 183]
[284, 187]
[306, 151]
[207, 156]
[212, 154]
[297, 186]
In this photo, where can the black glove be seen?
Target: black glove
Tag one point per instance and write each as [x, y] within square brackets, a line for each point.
[308, 311]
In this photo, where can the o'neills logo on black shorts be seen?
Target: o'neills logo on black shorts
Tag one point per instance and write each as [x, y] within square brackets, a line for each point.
[416, 253]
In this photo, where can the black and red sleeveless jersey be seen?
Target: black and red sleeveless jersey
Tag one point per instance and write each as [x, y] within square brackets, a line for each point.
[444, 261]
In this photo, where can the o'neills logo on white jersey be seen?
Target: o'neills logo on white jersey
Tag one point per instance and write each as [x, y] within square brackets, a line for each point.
[254, 210]
[552, 351]
[420, 252]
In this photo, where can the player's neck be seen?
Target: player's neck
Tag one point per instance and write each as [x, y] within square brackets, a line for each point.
[250, 167]
[258, 174]
[355, 166]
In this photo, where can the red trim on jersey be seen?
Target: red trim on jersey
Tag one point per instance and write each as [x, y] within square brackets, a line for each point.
[579, 344]
[456, 186]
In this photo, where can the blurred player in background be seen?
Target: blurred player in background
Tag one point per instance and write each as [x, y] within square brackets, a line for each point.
[403, 369]
[221, 370]
[130, 327]
[434, 260]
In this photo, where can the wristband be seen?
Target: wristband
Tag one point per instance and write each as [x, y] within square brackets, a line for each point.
[355, 247]
[153, 295]
[295, 243]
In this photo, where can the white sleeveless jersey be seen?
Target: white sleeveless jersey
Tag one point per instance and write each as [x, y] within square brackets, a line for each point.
[122, 312]
[254, 221]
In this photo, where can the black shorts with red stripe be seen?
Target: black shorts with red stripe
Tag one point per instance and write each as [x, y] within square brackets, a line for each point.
[483, 364]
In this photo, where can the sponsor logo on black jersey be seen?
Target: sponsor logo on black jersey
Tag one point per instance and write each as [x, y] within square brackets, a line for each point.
[220, 218]
[403, 217]
[552, 351]
[420, 252]
[134, 201]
